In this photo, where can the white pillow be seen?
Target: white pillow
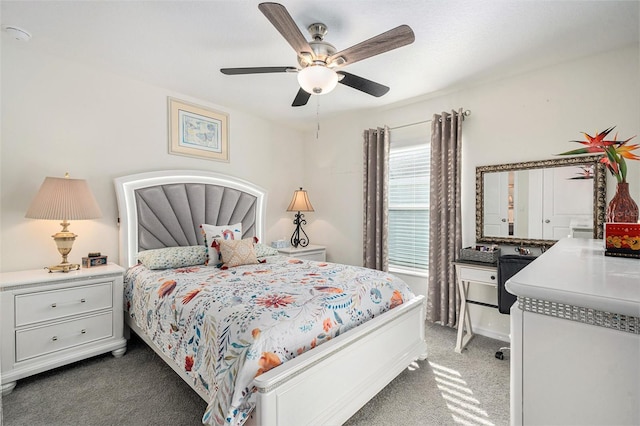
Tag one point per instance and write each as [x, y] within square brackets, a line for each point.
[173, 257]
[211, 233]
[263, 250]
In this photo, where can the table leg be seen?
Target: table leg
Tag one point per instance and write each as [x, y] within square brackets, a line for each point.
[465, 320]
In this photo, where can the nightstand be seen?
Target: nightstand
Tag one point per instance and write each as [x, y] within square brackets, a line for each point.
[310, 252]
[53, 319]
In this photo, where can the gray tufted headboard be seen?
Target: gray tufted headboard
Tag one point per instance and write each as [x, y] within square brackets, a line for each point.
[166, 208]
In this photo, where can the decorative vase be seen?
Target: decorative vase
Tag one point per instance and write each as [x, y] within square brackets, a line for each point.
[622, 208]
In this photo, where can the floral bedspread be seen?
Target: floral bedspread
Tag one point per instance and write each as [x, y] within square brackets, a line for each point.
[226, 327]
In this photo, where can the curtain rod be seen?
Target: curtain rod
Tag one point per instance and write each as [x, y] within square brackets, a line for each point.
[464, 114]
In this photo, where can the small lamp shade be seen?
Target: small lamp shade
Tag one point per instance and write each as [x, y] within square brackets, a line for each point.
[64, 199]
[300, 202]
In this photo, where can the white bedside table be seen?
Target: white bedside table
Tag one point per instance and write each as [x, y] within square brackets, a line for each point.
[310, 252]
[53, 319]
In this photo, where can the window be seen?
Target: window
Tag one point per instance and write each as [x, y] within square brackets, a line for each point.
[409, 164]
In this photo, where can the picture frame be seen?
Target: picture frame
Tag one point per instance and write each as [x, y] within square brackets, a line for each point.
[198, 131]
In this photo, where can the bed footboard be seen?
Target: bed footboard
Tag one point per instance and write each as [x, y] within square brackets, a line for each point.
[330, 384]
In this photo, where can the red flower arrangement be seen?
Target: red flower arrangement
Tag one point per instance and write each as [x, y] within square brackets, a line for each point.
[615, 152]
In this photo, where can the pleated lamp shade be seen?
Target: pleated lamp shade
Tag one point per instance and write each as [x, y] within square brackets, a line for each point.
[300, 202]
[64, 199]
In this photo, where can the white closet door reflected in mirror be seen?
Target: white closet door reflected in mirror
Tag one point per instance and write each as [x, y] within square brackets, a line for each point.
[547, 204]
[496, 204]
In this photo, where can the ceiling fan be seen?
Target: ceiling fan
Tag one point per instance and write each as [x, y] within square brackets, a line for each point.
[319, 62]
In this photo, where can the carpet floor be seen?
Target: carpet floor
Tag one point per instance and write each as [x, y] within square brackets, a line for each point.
[138, 389]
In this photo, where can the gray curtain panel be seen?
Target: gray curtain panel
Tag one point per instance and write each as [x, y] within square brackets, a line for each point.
[376, 198]
[445, 228]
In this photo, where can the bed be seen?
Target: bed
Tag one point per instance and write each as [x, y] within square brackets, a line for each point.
[360, 343]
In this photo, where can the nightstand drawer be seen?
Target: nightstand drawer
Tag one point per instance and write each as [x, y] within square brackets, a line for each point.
[479, 275]
[318, 256]
[311, 252]
[38, 341]
[47, 305]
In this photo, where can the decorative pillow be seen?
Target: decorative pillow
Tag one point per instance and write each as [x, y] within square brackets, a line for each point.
[238, 252]
[173, 257]
[263, 250]
[211, 233]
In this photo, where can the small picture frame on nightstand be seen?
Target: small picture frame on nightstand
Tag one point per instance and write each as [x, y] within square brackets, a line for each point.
[90, 262]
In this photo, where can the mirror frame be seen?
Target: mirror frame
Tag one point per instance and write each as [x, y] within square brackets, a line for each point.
[599, 196]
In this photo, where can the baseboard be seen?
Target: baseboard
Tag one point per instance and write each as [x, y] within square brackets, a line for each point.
[491, 333]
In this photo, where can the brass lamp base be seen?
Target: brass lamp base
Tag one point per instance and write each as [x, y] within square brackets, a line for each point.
[63, 267]
[64, 241]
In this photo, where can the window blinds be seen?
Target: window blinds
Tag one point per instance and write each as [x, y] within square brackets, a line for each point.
[409, 206]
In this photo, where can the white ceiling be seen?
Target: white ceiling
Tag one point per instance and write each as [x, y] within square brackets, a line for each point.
[181, 45]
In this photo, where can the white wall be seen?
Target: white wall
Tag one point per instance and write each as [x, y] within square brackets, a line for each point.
[59, 116]
[522, 118]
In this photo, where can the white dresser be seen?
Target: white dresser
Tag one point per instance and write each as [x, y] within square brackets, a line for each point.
[53, 319]
[575, 330]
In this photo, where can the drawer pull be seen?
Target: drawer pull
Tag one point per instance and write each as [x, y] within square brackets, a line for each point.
[55, 338]
[493, 277]
[55, 305]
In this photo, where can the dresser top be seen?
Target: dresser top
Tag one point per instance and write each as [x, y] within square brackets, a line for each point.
[575, 271]
[9, 280]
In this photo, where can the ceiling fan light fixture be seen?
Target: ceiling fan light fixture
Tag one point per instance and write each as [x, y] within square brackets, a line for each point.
[317, 79]
[337, 62]
[305, 59]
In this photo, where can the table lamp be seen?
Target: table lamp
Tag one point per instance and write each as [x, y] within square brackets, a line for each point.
[64, 199]
[300, 203]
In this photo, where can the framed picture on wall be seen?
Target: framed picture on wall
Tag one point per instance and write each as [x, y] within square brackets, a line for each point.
[197, 131]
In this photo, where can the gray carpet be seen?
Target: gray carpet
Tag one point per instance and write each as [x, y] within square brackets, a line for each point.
[138, 389]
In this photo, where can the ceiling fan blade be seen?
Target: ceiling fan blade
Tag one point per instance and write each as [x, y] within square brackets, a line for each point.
[256, 70]
[362, 84]
[392, 39]
[279, 17]
[301, 98]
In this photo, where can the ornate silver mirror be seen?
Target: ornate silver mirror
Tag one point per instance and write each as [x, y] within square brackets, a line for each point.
[538, 202]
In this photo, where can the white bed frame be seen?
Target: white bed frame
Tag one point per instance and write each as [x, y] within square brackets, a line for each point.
[325, 385]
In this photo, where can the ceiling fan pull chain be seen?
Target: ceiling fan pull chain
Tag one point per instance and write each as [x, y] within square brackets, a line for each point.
[318, 117]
